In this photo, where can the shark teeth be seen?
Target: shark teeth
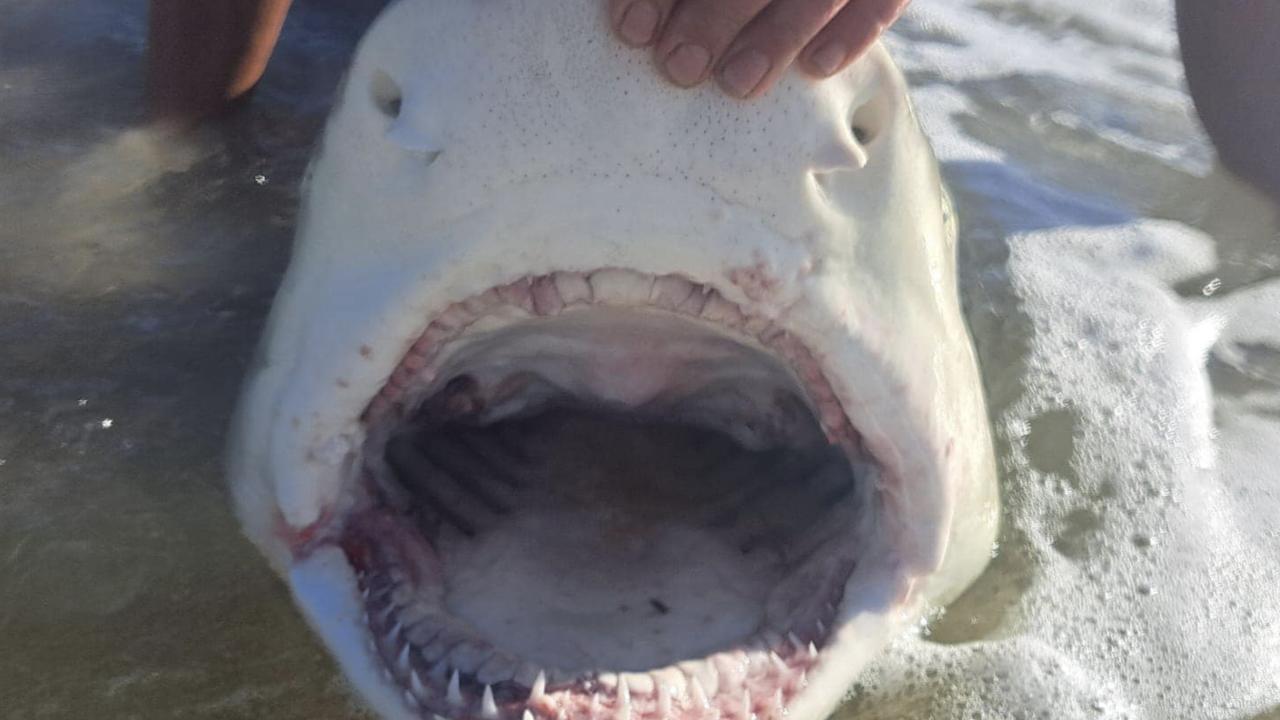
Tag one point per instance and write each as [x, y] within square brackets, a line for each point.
[795, 642]
[488, 708]
[698, 695]
[549, 295]
[639, 683]
[416, 684]
[624, 701]
[402, 661]
[455, 690]
[444, 693]
[445, 672]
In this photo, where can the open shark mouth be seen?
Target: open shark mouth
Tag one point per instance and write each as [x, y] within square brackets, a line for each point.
[606, 494]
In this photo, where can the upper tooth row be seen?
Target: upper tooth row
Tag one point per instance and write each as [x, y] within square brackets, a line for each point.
[550, 294]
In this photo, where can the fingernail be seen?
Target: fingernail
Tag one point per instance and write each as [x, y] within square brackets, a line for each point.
[744, 72]
[827, 59]
[638, 23]
[687, 64]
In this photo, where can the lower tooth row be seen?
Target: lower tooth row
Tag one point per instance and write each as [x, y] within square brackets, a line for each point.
[690, 684]
[669, 684]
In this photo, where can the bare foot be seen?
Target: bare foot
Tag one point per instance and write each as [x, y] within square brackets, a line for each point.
[749, 44]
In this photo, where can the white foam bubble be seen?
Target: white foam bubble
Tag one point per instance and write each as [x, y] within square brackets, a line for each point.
[1137, 416]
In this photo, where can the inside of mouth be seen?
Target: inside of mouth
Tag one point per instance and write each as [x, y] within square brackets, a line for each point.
[608, 509]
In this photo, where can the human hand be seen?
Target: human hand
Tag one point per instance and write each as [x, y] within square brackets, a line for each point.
[749, 44]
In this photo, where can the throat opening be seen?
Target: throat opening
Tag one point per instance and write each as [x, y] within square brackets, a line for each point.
[612, 505]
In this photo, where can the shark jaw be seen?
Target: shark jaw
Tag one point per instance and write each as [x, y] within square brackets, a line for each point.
[603, 494]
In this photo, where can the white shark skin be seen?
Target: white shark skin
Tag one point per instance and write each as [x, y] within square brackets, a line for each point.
[526, 142]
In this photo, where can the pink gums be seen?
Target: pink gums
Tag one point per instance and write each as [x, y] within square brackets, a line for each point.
[549, 295]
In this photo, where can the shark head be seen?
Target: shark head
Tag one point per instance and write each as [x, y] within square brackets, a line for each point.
[587, 397]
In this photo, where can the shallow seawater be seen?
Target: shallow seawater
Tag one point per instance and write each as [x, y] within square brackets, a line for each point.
[1124, 295]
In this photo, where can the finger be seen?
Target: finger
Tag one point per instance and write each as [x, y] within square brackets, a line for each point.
[849, 35]
[764, 50]
[637, 22]
[697, 34]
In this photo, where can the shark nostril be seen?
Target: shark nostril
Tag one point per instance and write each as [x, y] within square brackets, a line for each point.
[386, 94]
[868, 119]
